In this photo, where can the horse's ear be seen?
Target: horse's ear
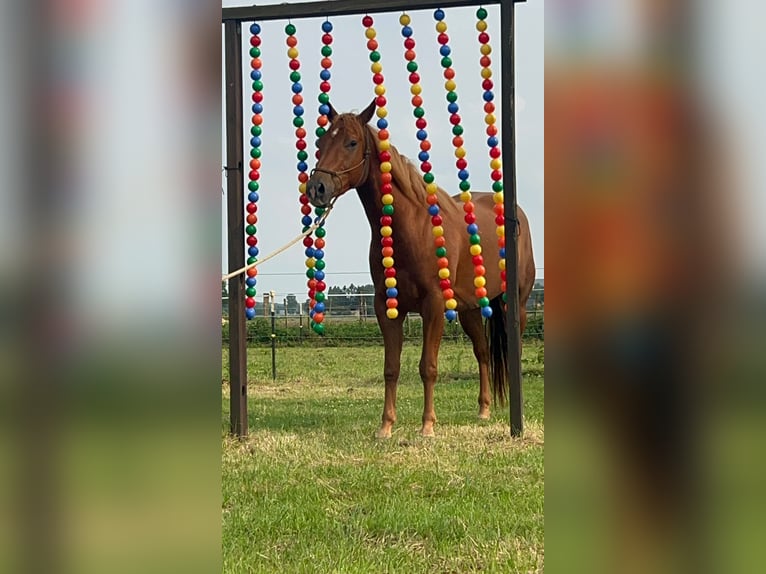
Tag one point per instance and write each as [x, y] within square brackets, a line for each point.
[366, 115]
[333, 114]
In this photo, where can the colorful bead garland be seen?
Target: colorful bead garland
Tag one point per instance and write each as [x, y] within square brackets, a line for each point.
[462, 165]
[495, 162]
[387, 198]
[254, 175]
[445, 283]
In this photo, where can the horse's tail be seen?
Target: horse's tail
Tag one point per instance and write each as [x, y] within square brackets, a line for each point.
[498, 350]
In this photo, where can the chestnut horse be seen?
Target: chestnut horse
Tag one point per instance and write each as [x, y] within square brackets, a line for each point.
[349, 159]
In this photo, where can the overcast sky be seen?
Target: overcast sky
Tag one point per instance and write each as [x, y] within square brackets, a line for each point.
[348, 232]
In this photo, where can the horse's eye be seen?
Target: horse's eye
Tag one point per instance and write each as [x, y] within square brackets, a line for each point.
[352, 144]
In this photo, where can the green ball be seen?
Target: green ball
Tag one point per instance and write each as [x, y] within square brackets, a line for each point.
[289, 29]
[326, 51]
[324, 98]
[465, 185]
[388, 210]
[295, 76]
[251, 229]
[253, 186]
[319, 296]
[446, 62]
[302, 155]
[320, 131]
[475, 239]
[298, 121]
[310, 272]
[441, 251]
[256, 130]
[497, 186]
[321, 232]
[428, 177]
[258, 86]
[374, 56]
[320, 210]
[412, 66]
[320, 264]
[451, 96]
[457, 130]
[481, 14]
[483, 301]
[418, 112]
[255, 52]
[319, 328]
[256, 152]
[251, 260]
[250, 292]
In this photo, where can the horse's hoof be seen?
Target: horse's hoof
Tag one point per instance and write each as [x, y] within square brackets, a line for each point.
[427, 431]
[484, 415]
[383, 433]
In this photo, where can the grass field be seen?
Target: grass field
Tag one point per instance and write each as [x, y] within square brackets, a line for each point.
[312, 490]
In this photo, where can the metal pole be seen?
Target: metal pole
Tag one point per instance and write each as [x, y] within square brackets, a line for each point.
[515, 396]
[236, 229]
[272, 298]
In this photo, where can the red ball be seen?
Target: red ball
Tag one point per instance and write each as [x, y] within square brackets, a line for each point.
[442, 38]
[304, 199]
[294, 64]
[421, 123]
[249, 302]
[436, 220]
[478, 260]
[461, 163]
[500, 220]
[414, 78]
[387, 241]
[257, 97]
[321, 286]
[367, 21]
[454, 119]
[470, 218]
[449, 73]
[385, 156]
[255, 41]
[386, 188]
[252, 207]
[381, 101]
[445, 284]
[312, 293]
[496, 175]
[409, 43]
[324, 87]
[485, 61]
[308, 241]
[326, 38]
[487, 85]
[494, 152]
[300, 144]
[386, 220]
[251, 240]
[306, 209]
[390, 272]
[502, 275]
[425, 166]
[483, 37]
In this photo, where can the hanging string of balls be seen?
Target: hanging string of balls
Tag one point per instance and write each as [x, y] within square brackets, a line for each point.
[387, 198]
[254, 174]
[432, 198]
[312, 262]
[472, 227]
[495, 162]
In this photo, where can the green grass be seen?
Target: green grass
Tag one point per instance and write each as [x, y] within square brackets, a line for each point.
[312, 490]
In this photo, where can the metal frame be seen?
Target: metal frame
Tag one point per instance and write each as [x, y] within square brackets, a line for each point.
[232, 19]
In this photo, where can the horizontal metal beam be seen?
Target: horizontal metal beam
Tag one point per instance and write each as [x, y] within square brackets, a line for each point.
[339, 8]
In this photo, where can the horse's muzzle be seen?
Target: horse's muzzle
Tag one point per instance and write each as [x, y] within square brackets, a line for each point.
[320, 189]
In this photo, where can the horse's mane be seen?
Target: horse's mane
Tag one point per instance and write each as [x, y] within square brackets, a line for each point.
[410, 179]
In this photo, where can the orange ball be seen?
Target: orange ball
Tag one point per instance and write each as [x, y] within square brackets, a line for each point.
[318, 317]
[479, 270]
[448, 293]
[481, 292]
[319, 243]
[386, 177]
[255, 163]
[392, 303]
[252, 219]
[440, 241]
[292, 41]
[322, 120]
[252, 272]
[442, 262]
[387, 252]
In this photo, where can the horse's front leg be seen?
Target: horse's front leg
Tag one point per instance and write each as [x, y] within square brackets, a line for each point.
[433, 327]
[393, 337]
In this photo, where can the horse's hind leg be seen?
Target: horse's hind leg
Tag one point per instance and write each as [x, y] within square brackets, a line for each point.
[472, 324]
[393, 337]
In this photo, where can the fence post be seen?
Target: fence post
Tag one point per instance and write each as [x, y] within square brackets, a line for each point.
[273, 337]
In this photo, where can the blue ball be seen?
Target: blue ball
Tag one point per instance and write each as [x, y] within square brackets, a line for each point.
[382, 123]
[319, 275]
[257, 108]
[327, 26]
[252, 251]
[251, 281]
[423, 156]
[255, 141]
[253, 197]
[445, 50]
[450, 314]
[302, 166]
[319, 307]
[392, 292]
[297, 88]
[433, 210]
[250, 312]
[489, 96]
[462, 174]
[492, 141]
[298, 110]
[309, 252]
[502, 253]
[311, 316]
[473, 229]
[255, 75]
[422, 135]
[325, 74]
[319, 253]
[486, 312]
[324, 109]
[439, 14]
[306, 220]
[453, 108]
[406, 31]
[255, 28]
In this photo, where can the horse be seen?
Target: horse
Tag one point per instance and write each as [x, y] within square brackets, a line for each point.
[348, 159]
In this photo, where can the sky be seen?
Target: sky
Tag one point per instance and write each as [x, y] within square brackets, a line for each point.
[348, 233]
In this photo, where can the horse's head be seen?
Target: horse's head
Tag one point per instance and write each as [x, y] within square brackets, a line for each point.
[343, 163]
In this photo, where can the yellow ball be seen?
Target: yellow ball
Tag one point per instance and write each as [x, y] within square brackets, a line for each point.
[388, 262]
[384, 145]
[386, 231]
[432, 187]
[450, 85]
[501, 230]
[390, 282]
[370, 33]
[380, 89]
[489, 119]
[486, 73]
[459, 152]
[292, 52]
[392, 313]
[444, 273]
[496, 163]
[465, 196]
[475, 249]
[302, 188]
[404, 19]
[415, 89]
[382, 112]
[486, 49]
[376, 67]
[310, 262]
[385, 167]
[387, 199]
[481, 25]
[479, 282]
[498, 197]
[441, 26]
[450, 304]
[437, 230]
[501, 264]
